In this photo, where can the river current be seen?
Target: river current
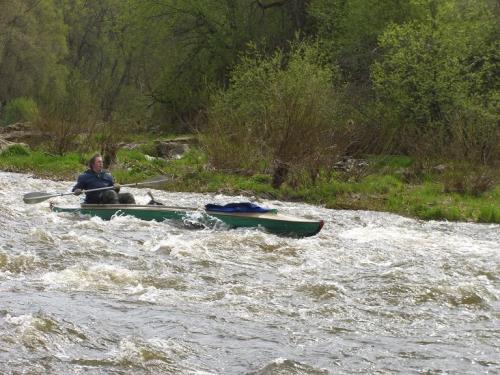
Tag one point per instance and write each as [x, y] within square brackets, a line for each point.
[372, 293]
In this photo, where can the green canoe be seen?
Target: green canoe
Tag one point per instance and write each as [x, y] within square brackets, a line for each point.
[272, 221]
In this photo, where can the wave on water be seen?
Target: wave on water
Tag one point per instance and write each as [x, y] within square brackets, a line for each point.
[282, 366]
[94, 277]
[18, 263]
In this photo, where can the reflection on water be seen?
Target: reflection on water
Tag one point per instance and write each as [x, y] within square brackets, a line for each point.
[372, 293]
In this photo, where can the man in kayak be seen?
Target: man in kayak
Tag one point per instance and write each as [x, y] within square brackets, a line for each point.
[94, 178]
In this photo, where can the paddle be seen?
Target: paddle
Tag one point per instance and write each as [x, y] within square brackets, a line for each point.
[40, 196]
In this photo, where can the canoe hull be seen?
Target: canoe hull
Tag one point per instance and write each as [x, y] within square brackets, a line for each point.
[272, 221]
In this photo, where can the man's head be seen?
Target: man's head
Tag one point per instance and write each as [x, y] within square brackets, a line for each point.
[95, 163]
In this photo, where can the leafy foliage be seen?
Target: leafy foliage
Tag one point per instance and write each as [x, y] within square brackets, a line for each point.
[349, 31]
[20, 110]
[278, 111]
[192, 45]
[32, 50]
[435, 78]
[16, 149]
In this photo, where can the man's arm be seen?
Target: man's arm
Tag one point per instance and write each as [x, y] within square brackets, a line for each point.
[79, 183]
[111, 179]
[116, 186]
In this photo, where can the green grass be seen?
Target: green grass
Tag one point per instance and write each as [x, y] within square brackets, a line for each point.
[42, 164]
[381, 189]
[426, 200]
[390, 161]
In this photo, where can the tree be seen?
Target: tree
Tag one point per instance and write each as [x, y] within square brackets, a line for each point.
[32, 48]
[193, 45]
[105, 55]
[349, 31]
[441, 67]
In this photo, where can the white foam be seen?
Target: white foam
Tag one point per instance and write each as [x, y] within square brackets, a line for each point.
[97, 276]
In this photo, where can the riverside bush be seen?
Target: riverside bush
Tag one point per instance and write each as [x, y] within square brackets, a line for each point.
[489, 214]
[466, 180]
[434, 82]
[16, 150]
[278, 114]
[20, 110]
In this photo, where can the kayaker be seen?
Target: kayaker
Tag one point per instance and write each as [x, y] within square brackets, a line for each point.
[94, 178]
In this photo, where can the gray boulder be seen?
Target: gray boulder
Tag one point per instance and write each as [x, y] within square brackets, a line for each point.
[171, 150]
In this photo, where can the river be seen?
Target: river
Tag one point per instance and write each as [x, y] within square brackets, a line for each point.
[371, 293]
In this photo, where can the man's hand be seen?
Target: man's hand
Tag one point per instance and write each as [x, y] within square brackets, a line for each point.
[77, 191]
[117, 187]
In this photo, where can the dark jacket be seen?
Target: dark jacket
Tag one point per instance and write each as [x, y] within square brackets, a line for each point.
[91, 180]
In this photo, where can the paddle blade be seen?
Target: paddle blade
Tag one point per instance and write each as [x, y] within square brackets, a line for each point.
[36, 197]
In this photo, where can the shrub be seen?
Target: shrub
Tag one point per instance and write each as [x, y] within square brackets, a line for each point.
[62, 132]
[465, 181]
[433, 82]
[474, 135]
[489, 214]
[20, 110]
[278, 113]
[16, 149]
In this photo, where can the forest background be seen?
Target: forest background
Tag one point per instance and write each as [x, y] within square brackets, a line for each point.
[280, 94]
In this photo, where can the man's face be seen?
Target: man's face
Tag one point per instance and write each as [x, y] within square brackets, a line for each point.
[97, 165]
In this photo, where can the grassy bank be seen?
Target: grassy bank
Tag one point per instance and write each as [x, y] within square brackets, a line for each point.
[388, 184]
